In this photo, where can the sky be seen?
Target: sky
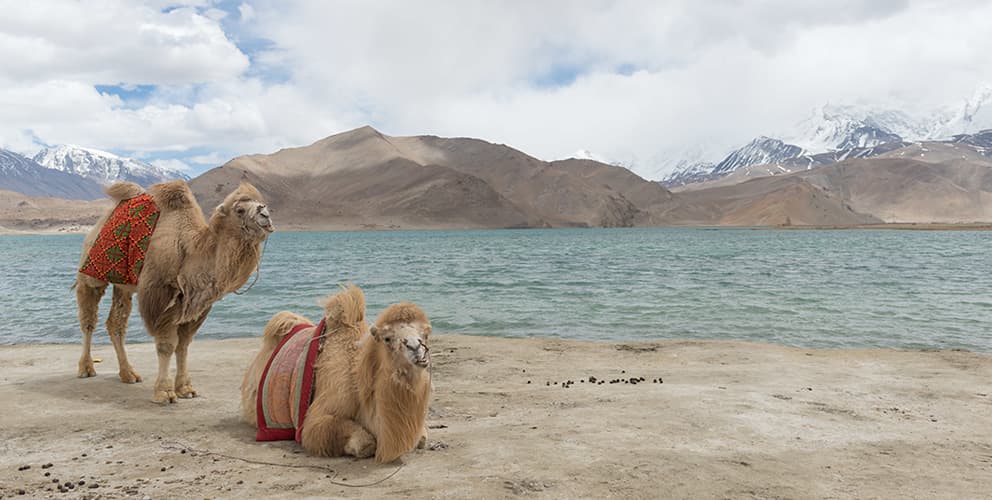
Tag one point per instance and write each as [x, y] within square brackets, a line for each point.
[192, 84]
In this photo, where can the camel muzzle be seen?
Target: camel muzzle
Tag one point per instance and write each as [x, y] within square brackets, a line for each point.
[264, 219]
[420, 354]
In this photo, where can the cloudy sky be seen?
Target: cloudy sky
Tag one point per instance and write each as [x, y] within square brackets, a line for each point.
[192, 84]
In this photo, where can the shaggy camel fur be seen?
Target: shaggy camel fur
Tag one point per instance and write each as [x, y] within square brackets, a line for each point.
[190, 264]
[372, 385]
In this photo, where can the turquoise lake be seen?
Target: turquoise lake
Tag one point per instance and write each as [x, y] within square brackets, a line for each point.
[835, 289]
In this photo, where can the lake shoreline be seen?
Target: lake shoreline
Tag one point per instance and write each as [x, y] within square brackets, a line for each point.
[726, 419]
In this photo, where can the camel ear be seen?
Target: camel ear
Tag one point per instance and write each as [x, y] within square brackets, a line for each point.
[221, 209]
[375, 332]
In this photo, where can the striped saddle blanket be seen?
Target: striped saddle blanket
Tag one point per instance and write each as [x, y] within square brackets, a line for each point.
[119, 251]
[286, 387]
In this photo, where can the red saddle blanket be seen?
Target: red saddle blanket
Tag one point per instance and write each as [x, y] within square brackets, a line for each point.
[286, 386]
[119, 250]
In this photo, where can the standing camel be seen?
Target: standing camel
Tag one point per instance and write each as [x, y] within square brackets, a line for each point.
[186, 263]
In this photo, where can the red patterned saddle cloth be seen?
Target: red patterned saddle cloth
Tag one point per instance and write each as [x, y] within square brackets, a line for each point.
[286, 387]
[119, 250]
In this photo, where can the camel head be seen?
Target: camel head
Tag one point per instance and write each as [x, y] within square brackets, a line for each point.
[404, 331]
[247, 209]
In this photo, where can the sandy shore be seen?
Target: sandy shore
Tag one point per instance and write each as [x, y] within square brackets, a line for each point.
[734, 420]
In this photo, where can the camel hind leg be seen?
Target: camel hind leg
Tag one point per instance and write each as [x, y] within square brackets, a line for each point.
[120, 310]
[87, 307]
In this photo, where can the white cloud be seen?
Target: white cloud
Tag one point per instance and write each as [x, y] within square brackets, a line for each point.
[109, 42]
[629, 80]
[247, 12]
[212, 159]
[172, 164]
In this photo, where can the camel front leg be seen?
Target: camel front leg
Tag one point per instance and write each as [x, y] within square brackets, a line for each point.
[120, 310]
[332, 436]
[165, 345]
[186, 331]
[87, 307]
[422, 442]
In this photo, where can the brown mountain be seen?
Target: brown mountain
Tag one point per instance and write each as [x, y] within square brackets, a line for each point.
[897, 188]
[20, 212]
[363, 178]
[786, 199]
[910, 190]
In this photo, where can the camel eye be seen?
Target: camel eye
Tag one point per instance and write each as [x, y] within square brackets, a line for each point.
[388, 339]
[240, 211]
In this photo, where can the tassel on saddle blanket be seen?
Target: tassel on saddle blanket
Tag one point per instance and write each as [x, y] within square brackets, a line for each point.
[119, 251]
[286, 387]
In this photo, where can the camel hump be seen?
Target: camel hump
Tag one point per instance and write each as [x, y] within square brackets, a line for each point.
[174, 195]
[120, 191]
[345, 308]
[403, 312]
[281, 324]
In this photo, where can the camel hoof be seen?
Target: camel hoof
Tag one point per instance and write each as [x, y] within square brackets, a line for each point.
[186, 392]
[360, 446]
[163, 397]
[422, 443]
[86, 370]
[129, 376]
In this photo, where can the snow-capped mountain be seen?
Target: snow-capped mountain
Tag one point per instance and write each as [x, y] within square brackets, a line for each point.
[585, 154]
[969, 117]
[103, 167]
[839, 127]
[835, 132]
[763, 150]
[24, 175]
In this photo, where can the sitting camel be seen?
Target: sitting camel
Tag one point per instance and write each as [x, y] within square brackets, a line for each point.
[185, 264]
[371, 386]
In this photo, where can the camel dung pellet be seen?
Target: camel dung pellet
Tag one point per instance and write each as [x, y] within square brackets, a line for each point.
[528, 381]
[623, 371]
[93, 486]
